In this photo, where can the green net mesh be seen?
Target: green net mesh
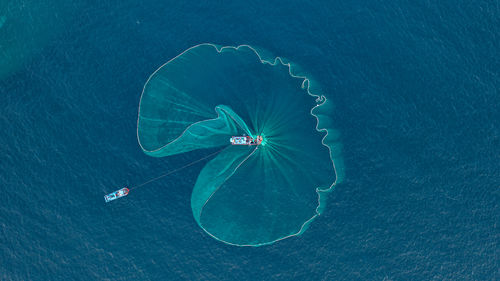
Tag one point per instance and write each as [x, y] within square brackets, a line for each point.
[246, 195]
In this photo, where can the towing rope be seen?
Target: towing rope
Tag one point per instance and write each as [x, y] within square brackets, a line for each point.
[176, 170]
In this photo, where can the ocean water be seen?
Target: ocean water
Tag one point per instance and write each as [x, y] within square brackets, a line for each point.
[246, 195]
[415, 88]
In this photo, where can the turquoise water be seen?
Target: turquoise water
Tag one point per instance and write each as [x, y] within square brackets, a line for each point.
[26, 27]
[411, 88]
[246, 195]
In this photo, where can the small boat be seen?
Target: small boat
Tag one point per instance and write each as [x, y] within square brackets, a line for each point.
[246, 140]
[117, 194]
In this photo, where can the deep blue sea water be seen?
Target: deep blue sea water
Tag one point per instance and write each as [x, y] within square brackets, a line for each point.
[416, 88]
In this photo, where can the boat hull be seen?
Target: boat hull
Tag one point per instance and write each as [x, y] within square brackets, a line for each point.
[246, 140]
[117, 194]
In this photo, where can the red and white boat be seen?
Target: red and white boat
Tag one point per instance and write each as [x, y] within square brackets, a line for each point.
[246, 140]
[117, 194]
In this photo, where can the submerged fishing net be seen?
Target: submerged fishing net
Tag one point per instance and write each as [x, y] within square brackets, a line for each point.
[246, 195]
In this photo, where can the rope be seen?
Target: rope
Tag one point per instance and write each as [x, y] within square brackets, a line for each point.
[176, 170]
